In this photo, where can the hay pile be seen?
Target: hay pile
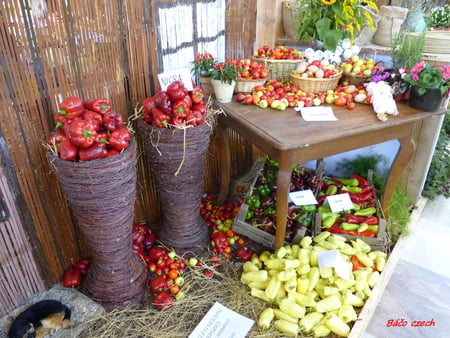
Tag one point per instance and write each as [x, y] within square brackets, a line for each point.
[201, 294]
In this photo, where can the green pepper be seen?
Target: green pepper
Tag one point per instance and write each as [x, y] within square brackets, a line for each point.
[331, 190]
[264, 190]
[366, 212]
[308, 208]
[273, 164]
[351, 189]
[352, 182]
[349, 226]
[253, 202]
[249, 215]
[270, 210]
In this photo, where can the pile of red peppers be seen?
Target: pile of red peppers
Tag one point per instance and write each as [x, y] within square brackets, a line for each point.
[74, 275]
[175, 107]
[362, 220]
[88, 130]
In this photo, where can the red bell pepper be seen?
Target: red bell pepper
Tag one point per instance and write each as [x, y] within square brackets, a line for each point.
[177, 122]
[82, 133]
[60, 120]
[102, 136]
[176, 91]
[157, 253]
[55, 138]
[362, 182]
[163, 102]
[68, 151]
[163, 301]
[72, 278]
[336, 229]
[112, 120]
[180, 109]
[188, 101]
[95, 151]
[160, 118]
[111, 152]
[244, 254]
[367, 233]
[149, 103]
[371, 220]
[158, 284]
[350, 218]
[82, 265]
[200, 107]
[71, 107]
[197, 95]
[100, 106]
[119, 139]
[94, 118]
[195, 118]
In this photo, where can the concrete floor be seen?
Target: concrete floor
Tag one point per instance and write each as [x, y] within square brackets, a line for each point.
[418, 292]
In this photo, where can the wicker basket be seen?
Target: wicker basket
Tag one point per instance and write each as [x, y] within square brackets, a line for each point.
[314, 85]
[246, 86]
[354, 79]
[279, 69]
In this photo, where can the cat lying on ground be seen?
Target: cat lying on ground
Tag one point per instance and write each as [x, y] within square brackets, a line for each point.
[40, 319]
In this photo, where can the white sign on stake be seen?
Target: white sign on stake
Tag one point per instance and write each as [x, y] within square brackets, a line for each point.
[221, 322]
[340, 202]
[183, 75]
[317, 114]
[303, 197]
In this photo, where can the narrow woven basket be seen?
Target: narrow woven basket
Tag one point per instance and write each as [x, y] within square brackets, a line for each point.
[246, 86]
[356, 80]
[279, 69]
[102, 194]
[177, 160]
[314, 85]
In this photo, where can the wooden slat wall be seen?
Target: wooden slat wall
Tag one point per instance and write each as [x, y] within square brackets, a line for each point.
[90, 48]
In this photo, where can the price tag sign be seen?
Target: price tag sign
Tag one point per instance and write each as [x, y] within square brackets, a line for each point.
[303, 197]
[183, 75]
[318, 114]
[340, 202]
[333, 259]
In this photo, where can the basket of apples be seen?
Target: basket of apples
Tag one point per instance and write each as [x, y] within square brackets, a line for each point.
[358, 70]
[316, 76]
[251, 74]
[280, 60]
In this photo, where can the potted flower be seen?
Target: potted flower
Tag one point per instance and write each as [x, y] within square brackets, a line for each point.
[429, 85]
[330, 21]
[223, 78]
[202, 68]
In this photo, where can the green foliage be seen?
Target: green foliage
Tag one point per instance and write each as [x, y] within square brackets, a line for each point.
[406, 50]
[360, 165]
[399, 214]
[438, 178]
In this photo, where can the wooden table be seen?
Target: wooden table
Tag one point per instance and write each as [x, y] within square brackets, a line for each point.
[285, 137]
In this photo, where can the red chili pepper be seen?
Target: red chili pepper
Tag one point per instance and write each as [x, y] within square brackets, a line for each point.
[82, 133]
[336, 229]
[195, 118]
[95, 151]
[112, 120]
[360, 197]
[371, 220]
[219, 241]
[163, 301]
[367, 233]
[163, 102]
[176, 91]
[149, 103]
[244, 254]
[160, 118]
[68, 151]
[197, 95]
[180, 109]
[100, 106]
[119, 139]
[72, 278]
[94, 118]
[362, 182]
[71, 107]
[158, 284]
[353, 219]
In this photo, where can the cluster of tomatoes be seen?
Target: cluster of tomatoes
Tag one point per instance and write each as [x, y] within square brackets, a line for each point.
[251, 69]
[278, 53]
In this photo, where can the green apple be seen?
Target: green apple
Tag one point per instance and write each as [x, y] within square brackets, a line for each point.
[330, 98]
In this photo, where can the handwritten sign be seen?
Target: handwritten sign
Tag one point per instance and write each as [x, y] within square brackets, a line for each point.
[340, 202]
[303, 197]
[221, 322]
[183, 75]
[318, 114]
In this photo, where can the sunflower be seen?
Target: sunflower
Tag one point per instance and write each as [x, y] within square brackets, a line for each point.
[328, 2]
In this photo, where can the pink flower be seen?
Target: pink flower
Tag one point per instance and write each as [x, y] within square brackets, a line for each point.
[418, 67]
[445, 72]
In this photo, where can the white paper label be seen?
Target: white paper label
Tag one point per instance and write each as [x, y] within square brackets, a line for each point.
[184, 75]
[221, 322]
[318, 114]
[340, 202]
[303, 197]
[333, 259]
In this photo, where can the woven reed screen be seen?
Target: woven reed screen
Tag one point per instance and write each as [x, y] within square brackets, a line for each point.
[51, 49]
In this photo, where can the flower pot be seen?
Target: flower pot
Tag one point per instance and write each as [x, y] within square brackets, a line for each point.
[101, 194]
[205, 84]
[430, 101]
[223, 91]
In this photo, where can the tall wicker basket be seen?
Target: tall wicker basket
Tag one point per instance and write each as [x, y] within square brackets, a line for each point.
[177, 161]
[102, 194]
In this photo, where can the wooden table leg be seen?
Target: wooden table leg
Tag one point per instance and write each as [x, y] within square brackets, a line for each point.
[283, 180]
[402, 159]
[223, 149]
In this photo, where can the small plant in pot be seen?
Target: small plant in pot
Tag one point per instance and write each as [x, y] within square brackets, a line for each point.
[203, 64]
[223, 78]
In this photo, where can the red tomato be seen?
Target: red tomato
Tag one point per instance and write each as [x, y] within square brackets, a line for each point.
[351, 105]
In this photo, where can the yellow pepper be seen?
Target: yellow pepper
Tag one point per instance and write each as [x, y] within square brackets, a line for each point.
[281, 315]
[302, 285]
[337, 325]
[321, 330]
[309, 320]
[301, 299]
[273, 288]
[305, 242]
[265, 318]
[329, 303]
[287, 327]
[254, 276]
[291, 308]
[313, 277]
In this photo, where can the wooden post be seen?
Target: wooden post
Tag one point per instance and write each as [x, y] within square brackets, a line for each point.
[268, 22]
